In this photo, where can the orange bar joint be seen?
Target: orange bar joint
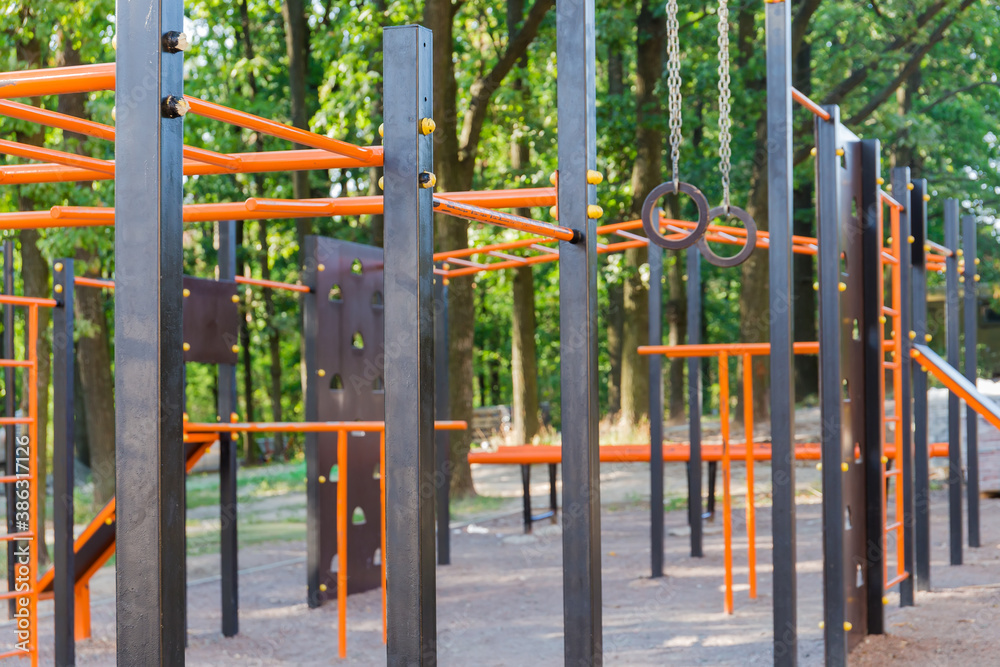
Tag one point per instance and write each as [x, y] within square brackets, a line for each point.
[475, 213]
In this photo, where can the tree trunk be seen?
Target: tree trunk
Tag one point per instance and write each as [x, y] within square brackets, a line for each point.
[524, 370]
[297, 49]
[246, 360]
[616, 324]
[94, 346]
[646, 175]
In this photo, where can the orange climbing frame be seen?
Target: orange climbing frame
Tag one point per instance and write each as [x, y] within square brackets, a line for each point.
[342, 429]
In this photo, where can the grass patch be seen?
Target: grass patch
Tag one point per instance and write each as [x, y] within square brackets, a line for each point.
[463, 509]
[271, 480]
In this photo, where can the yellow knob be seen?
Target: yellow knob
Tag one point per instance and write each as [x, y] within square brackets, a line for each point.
[961, 279]
[109, 521]
[842, 287]
[927, 247]
[381, 130]
[321, 373]
[554, 212]
[847, 626]
[815, 287]
[427, 126]
[185, 416]
[909, 186]
[594, 211]
[594, 177]
[233, 417]
[552, 178]
[928, 337]
[58, 267]
[322, 587]
[840, 151]
[187, 347]
[913, 334]
[959, 252]
[819, 466]
[428, 180]
[322, 479]
[910, 239]
[321, 267]
[844, 466]
[59, 288]
[235, 348]
[822, 625]
[381, 183]
[885, 599]
[976, 278]
[885, 459]
[236, 298]
[880, 180]
[186, 292]
[812, 151]
[927, 197]
[976, 261]
[882, 319]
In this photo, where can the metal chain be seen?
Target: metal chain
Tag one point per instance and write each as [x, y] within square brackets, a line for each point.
[674, 86]
[725, 122]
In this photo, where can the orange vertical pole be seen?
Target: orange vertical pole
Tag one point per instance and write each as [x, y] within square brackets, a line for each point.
[381, 483]
[727, 526]
[897, 388]
[750, 509]
[39, 533]
[882, 430]
[342, 540]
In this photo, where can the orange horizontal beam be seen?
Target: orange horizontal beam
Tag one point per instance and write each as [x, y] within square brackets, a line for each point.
[801, 98]
[27, 300]
[59, 157]
[57, 80]
[251, 122]
[478, 214]
[305, 427]
[732, 349]
[246, 163]
[94, 282]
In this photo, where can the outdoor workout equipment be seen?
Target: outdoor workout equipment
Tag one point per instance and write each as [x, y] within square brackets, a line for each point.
[675, 186]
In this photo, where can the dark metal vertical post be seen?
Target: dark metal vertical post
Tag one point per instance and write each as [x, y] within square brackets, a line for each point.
[63, 445]
[694, 399]
[901, 191]
[778, 30]
[148, 356]
[655, 409]
[871, 329]
[312, 389]
[971, 310]
[921, 460]
[10, 387]
[228, 505]
[409, 344]
[575, 53]
[442, 411]
[828, 197]
[951, 305]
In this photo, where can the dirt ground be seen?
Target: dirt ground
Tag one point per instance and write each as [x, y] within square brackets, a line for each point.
[500, 602]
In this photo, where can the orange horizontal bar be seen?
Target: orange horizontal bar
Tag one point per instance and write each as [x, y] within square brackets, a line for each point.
[57, 80]
[809, 104]
[888, 199]
[478, 214]
[60, 157]
[10, 479]
[200, 437]
[10, 596]
[27, 300]
[305, 427]
[713, 349]
[94, 282]
[282, 131]
[897, 579]
[16, 653]
[10, 537]
[246, 163]
[272, 284]
[945, 252]
[10, 421]
[16, 363]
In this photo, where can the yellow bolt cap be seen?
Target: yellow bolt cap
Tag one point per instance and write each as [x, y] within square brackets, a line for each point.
[927, 197]
[882, 319]
[913, 334]
[187, 346]
[976, 261]
[812, 151]
[928, 337]
[847, 626]
[554, 212]
[552, 178]
[594, 211]
[885, 459]
[822, 625]
[186, 292]
[819, 466]
[235, 348]
[322, 479]
[321, 267]
[321, 373]
[961, 279]
[880, 180]
[840, 151]
[427, 126]
[842, 287]
[594, 177]
[910, 239]
[959, 252]
[976, 278]
[59, 288]
[236, 298]
[844, 467]
[381, 130]
[109, 521]
[59, 267]
[428, 180]
[885, 599]
[909, 186]
[815, 287]
[889, 240]
[322, 587]
[381, 183]
[185, 416]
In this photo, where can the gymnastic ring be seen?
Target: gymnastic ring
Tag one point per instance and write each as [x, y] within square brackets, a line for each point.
[745, 252]
[653, 229]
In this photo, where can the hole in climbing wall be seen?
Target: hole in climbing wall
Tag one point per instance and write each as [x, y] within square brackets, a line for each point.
[358, 518]
[334, 473]
[843, 266]
[356, 267]
[856, 332]
[377, 557]
[336, 382]
[335, 563]
[857, 453]
[377, 472]
[860, 580]
[378, 385]
[854, 208]
[358, 341]
[377, 299]
[847, 390]
[847, 518]
[335, 294]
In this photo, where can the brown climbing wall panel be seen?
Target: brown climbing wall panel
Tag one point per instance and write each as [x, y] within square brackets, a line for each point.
[211, 321]
[344, 360]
